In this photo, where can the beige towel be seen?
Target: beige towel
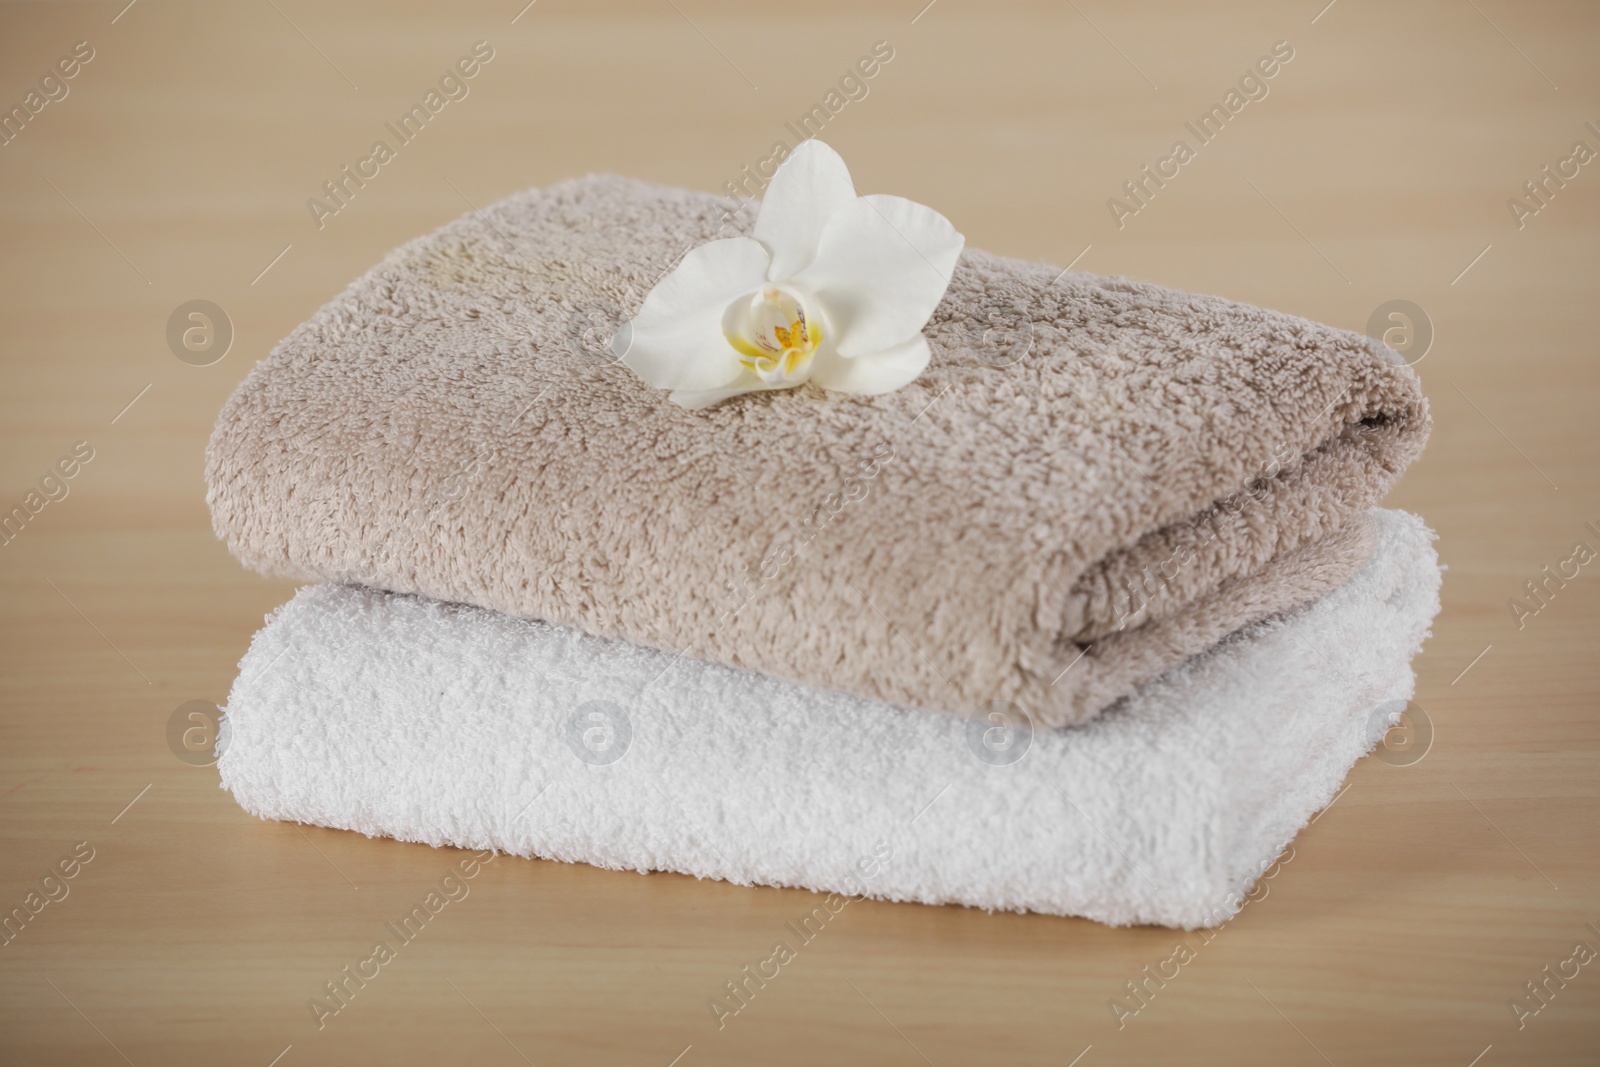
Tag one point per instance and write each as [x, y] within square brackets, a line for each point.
[1094, 479]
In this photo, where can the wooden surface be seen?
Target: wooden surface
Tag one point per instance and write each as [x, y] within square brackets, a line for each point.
[1378, 167]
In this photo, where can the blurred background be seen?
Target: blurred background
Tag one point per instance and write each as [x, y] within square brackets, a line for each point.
[157, 154]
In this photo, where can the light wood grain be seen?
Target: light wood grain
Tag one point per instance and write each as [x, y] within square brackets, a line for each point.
[1412, 912]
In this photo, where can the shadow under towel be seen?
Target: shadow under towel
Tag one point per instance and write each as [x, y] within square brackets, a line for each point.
[1093, 480]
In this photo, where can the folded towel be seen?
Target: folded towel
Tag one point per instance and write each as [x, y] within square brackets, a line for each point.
[1094, 479]
[410, 718]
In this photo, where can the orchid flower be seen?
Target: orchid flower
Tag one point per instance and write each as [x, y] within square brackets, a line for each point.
[831, 288]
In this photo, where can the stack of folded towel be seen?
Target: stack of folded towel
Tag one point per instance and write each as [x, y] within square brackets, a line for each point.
[1092, 629]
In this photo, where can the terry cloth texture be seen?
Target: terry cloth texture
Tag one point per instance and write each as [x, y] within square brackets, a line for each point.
[1094, 479]
[410, 718]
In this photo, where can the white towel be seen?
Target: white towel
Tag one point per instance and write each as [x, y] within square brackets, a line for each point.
[423, 721]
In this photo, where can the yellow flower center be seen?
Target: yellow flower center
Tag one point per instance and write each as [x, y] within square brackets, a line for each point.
[772, 334]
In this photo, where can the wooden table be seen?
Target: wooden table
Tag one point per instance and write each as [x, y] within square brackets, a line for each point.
[1378, 167]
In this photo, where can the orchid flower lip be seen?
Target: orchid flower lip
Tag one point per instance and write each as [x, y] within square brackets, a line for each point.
[774, 333]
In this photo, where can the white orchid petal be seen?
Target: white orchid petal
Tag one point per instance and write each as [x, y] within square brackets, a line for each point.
[883, 263]
[703, 398]
[676, 340]
[809, 188]
[747, 382]
[873, 374]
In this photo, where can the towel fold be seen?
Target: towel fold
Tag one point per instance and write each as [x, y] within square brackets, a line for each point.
[1093, 480]
[404, 717]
